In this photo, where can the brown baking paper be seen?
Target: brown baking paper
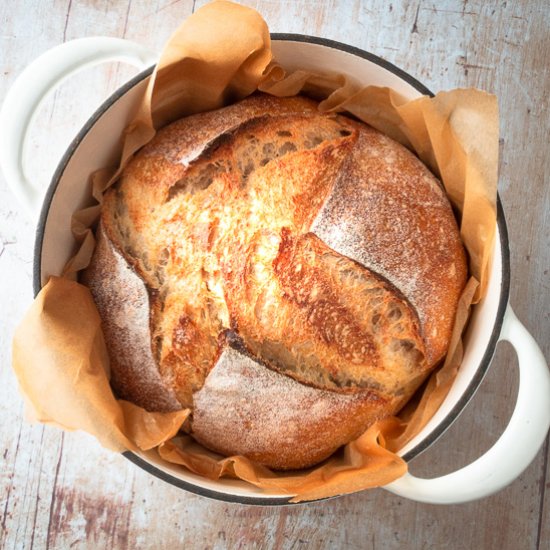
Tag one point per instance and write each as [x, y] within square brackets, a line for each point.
[219, 55]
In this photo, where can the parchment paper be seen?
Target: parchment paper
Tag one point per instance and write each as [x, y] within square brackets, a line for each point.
[219, 55]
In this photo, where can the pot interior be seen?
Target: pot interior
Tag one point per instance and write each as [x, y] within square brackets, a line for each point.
[98, 145]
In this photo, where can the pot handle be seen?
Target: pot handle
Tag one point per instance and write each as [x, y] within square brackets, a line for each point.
[516, 447]
[31, 87]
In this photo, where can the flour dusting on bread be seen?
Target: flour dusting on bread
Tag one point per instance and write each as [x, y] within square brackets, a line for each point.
[273, 418]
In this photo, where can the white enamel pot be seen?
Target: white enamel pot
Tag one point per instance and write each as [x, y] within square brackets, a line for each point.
[97, 145]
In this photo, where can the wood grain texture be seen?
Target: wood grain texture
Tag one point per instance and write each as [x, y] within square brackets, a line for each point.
[63, 490]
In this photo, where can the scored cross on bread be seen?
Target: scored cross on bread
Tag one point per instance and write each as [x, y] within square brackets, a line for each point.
[328, 250]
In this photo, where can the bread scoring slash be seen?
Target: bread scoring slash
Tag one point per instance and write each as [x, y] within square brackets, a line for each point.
[290, 276]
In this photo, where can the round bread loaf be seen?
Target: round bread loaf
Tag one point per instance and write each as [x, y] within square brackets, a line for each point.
[288, 275]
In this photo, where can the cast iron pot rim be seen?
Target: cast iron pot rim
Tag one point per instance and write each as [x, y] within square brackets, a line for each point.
[489, 352]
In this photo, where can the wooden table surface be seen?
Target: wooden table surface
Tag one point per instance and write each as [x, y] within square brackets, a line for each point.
[62, 490]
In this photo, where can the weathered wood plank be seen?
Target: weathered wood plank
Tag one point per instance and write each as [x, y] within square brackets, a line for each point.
[61, 491]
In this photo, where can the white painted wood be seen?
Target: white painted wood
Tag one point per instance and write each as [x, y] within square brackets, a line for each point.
[62, 490]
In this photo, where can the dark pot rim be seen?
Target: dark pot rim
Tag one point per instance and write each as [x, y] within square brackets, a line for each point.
[489, 352]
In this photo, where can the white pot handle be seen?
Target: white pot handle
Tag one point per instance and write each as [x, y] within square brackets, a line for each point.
[516, 447]
[33, 85]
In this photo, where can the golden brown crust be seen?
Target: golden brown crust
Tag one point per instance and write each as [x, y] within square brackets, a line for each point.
[124, 306]
[214, 217]
[388, 212]
[322, 318]
[316, 422]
